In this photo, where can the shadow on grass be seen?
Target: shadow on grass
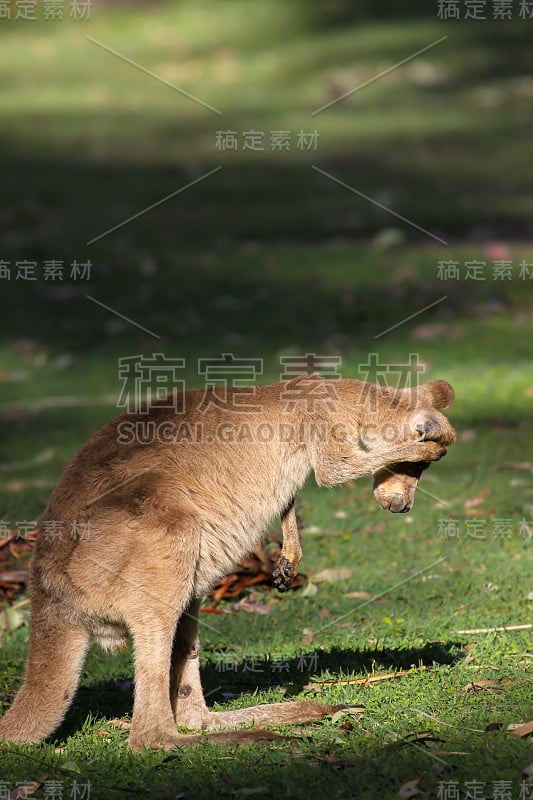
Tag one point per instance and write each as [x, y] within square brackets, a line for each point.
[367, 757]
[114, 698]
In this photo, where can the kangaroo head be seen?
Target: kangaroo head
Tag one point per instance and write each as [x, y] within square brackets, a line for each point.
[395, 486]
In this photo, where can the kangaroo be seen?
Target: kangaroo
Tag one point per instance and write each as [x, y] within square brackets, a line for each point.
[160, 503]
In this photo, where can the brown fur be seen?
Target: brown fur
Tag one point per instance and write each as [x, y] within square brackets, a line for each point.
[169, 519]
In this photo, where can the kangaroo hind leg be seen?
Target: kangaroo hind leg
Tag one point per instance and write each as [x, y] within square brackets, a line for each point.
[57, 652]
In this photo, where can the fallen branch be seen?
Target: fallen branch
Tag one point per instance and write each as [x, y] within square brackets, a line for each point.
[443, 722]
[363, 681]
[500, 628]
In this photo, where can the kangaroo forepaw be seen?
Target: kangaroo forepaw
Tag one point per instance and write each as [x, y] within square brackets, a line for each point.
[282, 575]
[426, 451]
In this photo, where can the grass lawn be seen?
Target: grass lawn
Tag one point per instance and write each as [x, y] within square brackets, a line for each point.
[268, 257]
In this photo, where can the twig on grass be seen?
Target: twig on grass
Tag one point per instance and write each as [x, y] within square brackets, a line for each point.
[499, 628]
[363, 681]
[442, 722]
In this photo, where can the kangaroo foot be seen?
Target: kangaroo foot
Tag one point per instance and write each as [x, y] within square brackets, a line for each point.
[282, 575]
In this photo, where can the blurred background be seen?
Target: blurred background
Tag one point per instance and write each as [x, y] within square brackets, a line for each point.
[263, 179]
[267, 180]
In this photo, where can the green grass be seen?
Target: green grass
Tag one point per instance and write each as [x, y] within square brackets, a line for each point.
[269, 258]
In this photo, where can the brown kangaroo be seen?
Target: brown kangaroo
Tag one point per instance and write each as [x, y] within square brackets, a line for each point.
[150, 522]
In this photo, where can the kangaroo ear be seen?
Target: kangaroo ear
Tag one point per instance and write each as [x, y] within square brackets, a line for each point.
[440, 393]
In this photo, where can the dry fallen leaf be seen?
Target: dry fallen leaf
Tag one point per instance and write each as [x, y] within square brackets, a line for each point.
[436, 331]
[518, 466]
[333, 762]
[254, 608]
[307, 636]
[11, 619]
[357, 595]
[409, 789]
[481, 685]
[388, 239]
[379, 528]
[313, 529]
[27, 789]
[351, 711]
[124, 724]
[253, 569]
[478, 499]
[478, 512]
[14, 576]
[330, 575]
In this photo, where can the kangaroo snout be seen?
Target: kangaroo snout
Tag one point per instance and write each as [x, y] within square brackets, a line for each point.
[432, 426]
